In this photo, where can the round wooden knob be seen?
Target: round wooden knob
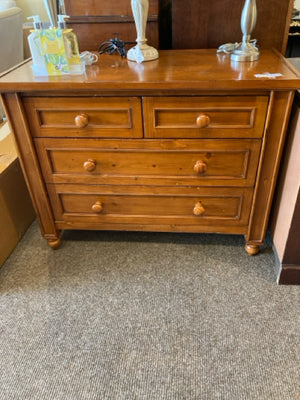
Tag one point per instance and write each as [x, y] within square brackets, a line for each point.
[81, 120]
[198, 209]
[203, 120]
[200, 167]
[89, 165]
[97, 207]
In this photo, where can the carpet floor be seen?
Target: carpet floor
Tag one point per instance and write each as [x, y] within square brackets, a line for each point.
[156, 316]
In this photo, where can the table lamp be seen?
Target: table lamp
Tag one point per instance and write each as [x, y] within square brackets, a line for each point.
[142, 51]
[247, 51]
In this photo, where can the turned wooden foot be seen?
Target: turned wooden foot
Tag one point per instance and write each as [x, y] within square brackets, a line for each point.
[251, 249]
[54, 244]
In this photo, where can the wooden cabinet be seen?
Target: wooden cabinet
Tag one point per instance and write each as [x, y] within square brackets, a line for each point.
[174, 24]
[98, 21]
[209, 24]
[185, 143]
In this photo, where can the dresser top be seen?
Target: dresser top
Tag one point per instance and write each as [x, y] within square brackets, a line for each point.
[179, 70]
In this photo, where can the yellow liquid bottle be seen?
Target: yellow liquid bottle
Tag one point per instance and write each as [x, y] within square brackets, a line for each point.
[71, 47]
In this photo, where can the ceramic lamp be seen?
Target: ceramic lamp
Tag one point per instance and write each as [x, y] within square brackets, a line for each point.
[142, 51]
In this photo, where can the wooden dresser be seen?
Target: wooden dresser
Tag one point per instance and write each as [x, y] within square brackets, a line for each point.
[190, 142]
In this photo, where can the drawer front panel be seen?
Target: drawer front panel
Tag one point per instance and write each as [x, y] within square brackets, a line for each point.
[224, 162]
[84, 117]
[205, 117]
[165, 205]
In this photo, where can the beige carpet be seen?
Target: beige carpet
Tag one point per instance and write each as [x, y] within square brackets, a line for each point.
[133, 316]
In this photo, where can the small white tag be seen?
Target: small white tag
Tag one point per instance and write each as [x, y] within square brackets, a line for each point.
[268, 75]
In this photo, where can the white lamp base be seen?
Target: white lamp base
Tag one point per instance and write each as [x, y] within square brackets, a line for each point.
[141, 53]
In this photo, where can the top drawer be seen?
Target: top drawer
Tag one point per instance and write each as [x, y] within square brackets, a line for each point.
[114, 117]
[205, 117]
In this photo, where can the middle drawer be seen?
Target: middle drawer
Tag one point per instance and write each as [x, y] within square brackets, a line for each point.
[176, 162]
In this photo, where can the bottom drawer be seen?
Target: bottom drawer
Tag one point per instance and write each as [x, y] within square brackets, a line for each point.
[167, 208]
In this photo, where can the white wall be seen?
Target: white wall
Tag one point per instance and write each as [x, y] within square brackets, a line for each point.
[297, 4]
[33, 7]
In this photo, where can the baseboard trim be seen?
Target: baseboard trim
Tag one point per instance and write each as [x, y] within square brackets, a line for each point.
[289, 274]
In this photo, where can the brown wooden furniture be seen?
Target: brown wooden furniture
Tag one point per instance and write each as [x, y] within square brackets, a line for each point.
[189, 142]
[208, 24]
[108, 19]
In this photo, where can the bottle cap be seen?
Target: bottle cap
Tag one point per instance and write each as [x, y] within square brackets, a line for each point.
[36, 21]
[61, 20]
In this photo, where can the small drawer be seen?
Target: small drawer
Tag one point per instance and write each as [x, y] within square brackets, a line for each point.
[182, 162]
[150, 205]
[84, 117]
[205, 117]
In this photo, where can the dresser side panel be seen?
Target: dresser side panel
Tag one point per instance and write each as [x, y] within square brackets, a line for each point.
[30, 165]
[273, 142]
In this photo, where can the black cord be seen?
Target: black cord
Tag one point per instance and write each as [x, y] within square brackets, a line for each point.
[113, 45]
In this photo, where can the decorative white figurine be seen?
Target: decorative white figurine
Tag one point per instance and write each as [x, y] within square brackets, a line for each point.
[141, 52]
